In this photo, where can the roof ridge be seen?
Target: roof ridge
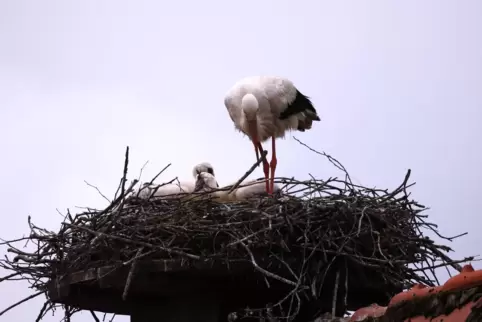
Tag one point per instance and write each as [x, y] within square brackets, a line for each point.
[462, 291]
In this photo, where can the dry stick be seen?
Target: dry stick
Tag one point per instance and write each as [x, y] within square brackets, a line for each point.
[360, 221]
[124, 176]
[123, 191]
[265, 272]
[160, 172]
[113, 204]
[263, 158]
[438, 252]
[138, 257]
[146, 185]
[345, 298]
[138, 178]
[248, 237]
[9, 276]
[333, 161]
[142, 169]
[117, 200]
[42, 312]
[21, 301]
[4, 242]
[400, 188]
[335, 294]
[467, 259]
[134, 242]
[98, 190]
[446, 258]
[94, 316]
[67, 313]
[131, 274]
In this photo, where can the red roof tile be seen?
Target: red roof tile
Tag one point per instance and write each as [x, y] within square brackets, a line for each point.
[465, 279]
[465, 286]
[418, 290]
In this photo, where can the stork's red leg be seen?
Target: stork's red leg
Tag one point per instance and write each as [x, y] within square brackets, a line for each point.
[265, 166]
[273, 164]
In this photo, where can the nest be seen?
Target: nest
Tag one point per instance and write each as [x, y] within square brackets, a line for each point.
[326, 246]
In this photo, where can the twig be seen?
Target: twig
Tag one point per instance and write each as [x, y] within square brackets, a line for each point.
[124, 176]
[465, 260]
[21, 301]
[135, 242]
[94, 316]
[265, 272]
[253, 167]
[160, 172]
[43, 310]
[98, 190]
[9, 276]
[333, 161]
[335, 294]
[130, 276]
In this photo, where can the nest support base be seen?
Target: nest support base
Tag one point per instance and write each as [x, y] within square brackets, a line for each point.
[189, 295]
[164, 289]
[192, 308]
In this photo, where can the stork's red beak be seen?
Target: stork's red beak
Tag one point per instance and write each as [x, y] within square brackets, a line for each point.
[253, 134]
[253, 131]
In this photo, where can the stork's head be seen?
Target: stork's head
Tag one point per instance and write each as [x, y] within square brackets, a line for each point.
[205, 181]
[202, 167]
[250, 106]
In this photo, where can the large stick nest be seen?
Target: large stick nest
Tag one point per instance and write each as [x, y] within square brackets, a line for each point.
[323, 234]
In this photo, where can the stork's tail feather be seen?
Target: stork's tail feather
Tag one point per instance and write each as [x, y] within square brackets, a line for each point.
[311, 115]
[305, 121]
[304, 110]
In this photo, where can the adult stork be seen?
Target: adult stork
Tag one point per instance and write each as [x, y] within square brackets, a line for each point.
[264, 107]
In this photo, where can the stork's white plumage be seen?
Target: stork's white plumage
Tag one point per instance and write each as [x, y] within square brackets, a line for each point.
[166, 191]
[248, 190]
[253, 189]
[173, 190]
[264, 107]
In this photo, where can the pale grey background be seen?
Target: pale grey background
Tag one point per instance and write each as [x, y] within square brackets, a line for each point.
[397, 83]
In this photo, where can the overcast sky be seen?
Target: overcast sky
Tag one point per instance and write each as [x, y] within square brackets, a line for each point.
[397, 85]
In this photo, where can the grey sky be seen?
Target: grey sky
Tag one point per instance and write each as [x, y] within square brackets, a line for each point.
[397, 84]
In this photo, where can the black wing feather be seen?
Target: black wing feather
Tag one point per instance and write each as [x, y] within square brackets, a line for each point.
[300, 104]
